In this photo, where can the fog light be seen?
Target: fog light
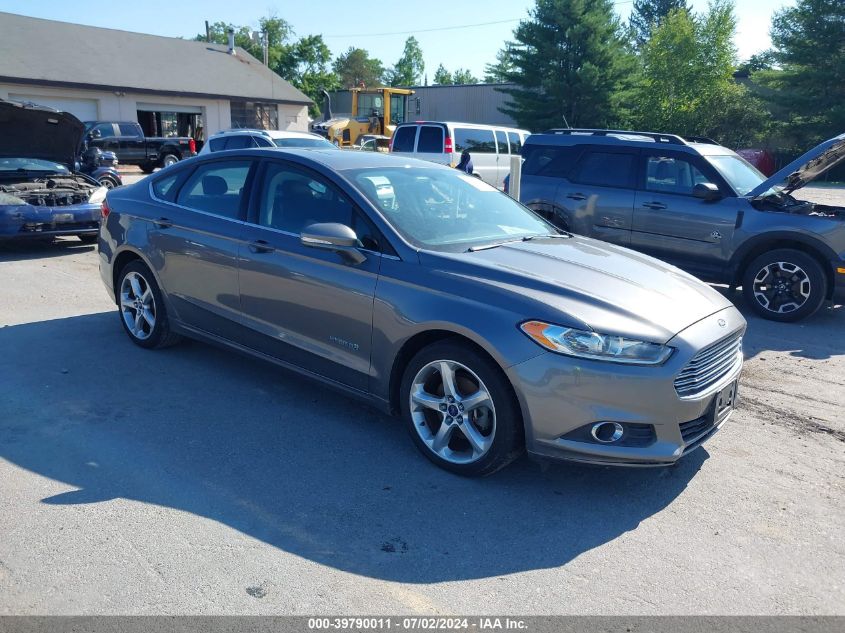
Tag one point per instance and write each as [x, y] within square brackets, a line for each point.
[607, 432]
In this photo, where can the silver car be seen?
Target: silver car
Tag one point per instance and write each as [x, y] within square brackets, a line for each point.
[429, 294]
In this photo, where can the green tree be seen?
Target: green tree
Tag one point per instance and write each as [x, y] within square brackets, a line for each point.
[647, 14]
[307, 65]
[569, 60]
[463, 76]
[356, 67]
[687, 85]
[409, 69]
[495, 72]
[807, 91]
[442, 77]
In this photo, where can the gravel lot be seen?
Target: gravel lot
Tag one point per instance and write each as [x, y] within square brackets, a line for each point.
[194, 480]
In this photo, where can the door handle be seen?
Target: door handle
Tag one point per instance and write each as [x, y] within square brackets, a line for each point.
[260, 246]
[163, 223]
[654, 205]
[576, 196]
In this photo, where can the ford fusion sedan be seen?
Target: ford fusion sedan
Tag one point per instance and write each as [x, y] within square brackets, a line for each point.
[431, 295]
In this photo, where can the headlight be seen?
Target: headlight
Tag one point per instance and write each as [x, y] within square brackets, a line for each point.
[595, 346]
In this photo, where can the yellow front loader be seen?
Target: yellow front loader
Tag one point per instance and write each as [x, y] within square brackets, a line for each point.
[371, 111]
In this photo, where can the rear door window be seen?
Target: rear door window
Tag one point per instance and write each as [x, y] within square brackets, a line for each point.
[430, 139]
[127, 129]
[605, 169]
[475, 141]
[502, 141]
[216, 188]
[404, 137]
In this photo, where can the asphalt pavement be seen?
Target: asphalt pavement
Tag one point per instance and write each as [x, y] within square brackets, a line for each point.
[195, 480]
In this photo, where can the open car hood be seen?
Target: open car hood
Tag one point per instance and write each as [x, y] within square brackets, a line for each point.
[805, 168]
[28, 130]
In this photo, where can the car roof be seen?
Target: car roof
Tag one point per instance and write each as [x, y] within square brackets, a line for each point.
[330, 158]
[628, 138]
[479, 126]
[270, 133]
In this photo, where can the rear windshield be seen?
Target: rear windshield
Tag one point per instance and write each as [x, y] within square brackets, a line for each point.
[318, 143]
[403, 138]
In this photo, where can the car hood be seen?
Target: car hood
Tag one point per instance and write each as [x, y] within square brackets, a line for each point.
[28, 130]
[805, 168]
[581, 282]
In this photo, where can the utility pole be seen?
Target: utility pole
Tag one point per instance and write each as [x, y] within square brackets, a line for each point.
[266, 43]
[207, 32]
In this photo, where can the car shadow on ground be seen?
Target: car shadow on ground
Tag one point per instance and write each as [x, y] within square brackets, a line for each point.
[41, 247]
[289, 462]
[818, 337]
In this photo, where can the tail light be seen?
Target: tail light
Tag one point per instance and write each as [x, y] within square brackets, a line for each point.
[104, 209]
[447, 145]
[192, 145]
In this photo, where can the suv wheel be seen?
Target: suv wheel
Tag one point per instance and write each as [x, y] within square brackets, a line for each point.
[460, 410]
[141, 308]
[784, 285]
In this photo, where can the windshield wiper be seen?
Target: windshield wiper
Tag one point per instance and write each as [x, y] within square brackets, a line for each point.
[527, 238]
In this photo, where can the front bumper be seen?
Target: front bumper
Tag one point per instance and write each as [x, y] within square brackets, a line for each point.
[561, 396]
[26, 220]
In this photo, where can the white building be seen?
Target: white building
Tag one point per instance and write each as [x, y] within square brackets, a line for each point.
[170, 86]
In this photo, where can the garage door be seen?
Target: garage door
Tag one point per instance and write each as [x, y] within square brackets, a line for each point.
[82, 109]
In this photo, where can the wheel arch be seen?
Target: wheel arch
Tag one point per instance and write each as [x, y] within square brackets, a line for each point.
[811, 246]
[124, 257]
[423, 339]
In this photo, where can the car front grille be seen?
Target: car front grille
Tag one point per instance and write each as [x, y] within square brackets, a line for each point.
[709, 366]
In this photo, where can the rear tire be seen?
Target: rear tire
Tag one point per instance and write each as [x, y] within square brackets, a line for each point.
[169, 159]
[470, 423]
[141, 308]
[784, 285]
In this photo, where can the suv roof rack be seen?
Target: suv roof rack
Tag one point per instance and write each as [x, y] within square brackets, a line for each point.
[659, 137]
[700, 139]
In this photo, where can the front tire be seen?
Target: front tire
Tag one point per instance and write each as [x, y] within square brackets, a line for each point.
[88, 238]
[108, 182]
[147, 168]
[141, 308]
[784, 285]
[460, 409]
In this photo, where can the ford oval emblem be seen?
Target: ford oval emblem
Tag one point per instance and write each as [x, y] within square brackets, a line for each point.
[722, 322]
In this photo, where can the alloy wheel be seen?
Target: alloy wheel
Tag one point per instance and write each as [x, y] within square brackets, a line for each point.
[137, 305]
[453, 411]
[782, 287]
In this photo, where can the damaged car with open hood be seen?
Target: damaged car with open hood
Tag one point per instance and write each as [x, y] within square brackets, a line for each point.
[698, 205]
[41, 192]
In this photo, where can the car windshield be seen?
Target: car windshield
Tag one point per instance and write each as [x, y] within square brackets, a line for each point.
[741, 175]
[31, 164]
[445, 210]
[316, 143]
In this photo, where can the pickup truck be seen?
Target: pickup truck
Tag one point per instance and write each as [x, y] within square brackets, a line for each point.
[126, 139]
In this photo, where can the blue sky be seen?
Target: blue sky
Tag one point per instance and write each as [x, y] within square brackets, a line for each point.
[380, 27]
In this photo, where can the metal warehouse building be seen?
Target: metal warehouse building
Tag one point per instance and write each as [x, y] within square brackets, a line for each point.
[172, 87]
[468, 103]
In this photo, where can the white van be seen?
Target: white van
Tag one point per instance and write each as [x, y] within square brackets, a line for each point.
[490, 146]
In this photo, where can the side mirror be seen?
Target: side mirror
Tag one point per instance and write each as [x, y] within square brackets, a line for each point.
[332, 236]
[706, 191]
